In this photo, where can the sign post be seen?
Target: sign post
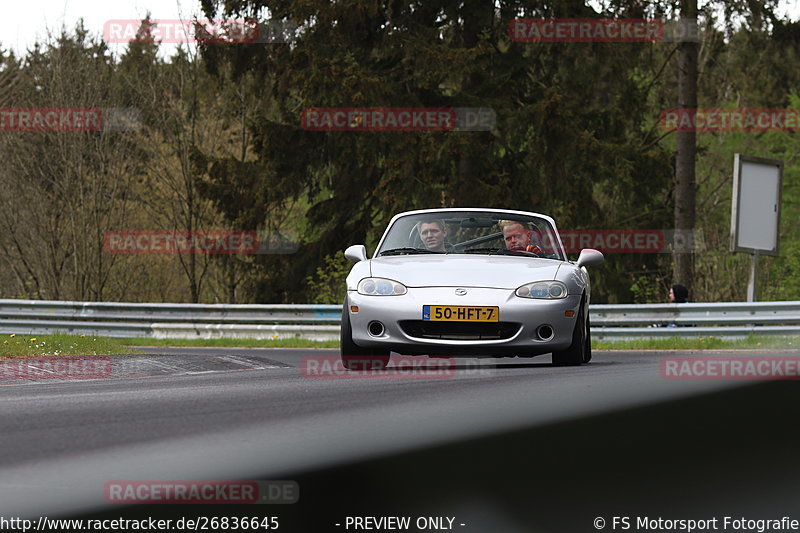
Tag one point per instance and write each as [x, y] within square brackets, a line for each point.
[755, 211]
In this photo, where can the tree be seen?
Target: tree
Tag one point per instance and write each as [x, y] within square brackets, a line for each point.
[568, 141]
[62, 188]
[687, 145]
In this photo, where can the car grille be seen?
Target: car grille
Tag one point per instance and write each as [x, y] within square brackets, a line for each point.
[460, 331]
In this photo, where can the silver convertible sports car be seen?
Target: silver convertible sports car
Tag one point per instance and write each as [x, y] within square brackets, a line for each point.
[467, 281]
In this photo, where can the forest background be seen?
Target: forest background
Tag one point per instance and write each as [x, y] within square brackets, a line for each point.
[217, 144]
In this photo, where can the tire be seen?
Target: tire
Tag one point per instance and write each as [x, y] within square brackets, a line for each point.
[354, 357]
[576, 354]
[588, 350]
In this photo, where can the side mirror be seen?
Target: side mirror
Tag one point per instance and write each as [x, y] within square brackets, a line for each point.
[358, 252]
[590, 257]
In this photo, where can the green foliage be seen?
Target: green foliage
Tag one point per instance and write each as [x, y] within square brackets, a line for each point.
[327, 286]
[648, 289]
[722, 275]
[60, 344]
[574, 137]
[752, 342]
[577, 137]
[275, 342]
[781, 281]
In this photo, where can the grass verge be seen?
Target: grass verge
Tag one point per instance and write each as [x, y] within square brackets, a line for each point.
[60, 344]
[676, 343]
[752, 342]
[231, 343]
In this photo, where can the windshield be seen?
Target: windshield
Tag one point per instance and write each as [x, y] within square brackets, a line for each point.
[471, 232]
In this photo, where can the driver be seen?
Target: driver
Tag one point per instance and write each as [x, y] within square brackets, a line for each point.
[433, 234]
[518, 237]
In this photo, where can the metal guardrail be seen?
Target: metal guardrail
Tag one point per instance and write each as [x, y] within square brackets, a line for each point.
[725, 319]
[171, 312]
[170, 320]
[321, 322]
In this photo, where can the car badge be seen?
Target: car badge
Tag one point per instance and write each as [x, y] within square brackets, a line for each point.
[461, 292]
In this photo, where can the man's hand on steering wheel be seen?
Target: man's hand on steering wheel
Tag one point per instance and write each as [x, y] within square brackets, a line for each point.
[533, 249]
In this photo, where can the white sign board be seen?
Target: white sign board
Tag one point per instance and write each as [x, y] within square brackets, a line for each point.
[756, 205]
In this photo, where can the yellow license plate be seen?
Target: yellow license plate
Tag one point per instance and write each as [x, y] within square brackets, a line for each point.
[460, 313]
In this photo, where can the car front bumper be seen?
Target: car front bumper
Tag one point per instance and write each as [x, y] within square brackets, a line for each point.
[405, 332]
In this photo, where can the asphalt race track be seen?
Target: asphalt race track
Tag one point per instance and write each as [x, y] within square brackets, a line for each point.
[512, 445]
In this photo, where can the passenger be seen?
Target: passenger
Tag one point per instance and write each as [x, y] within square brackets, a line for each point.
[433, 234]
[518, 237]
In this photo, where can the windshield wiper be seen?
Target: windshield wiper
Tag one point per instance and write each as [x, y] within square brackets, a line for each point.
[401, 251]
[481, 250]
[506, 251]
[498, 251]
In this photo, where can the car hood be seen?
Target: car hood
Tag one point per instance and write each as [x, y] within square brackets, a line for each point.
[451, 270]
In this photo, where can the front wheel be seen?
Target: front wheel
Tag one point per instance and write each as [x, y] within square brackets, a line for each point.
[354, 357]
[579, 351]
[587, 356]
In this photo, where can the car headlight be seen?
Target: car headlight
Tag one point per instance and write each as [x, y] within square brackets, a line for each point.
[380, 287]
[549, 290]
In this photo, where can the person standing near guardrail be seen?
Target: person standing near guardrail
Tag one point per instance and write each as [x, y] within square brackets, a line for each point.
[678, 294]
